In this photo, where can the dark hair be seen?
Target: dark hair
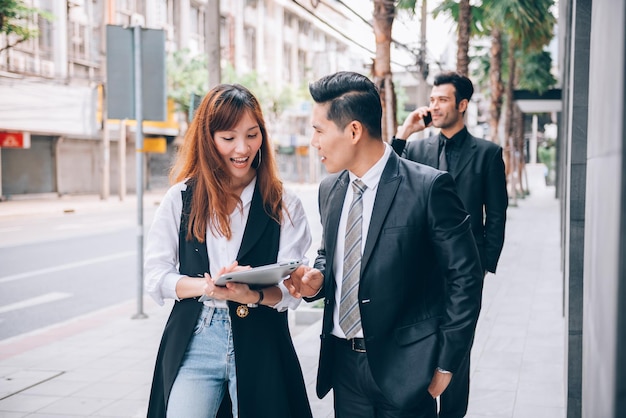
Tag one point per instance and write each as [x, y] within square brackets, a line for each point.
[463, 87]
[199, 160]
[352, 96]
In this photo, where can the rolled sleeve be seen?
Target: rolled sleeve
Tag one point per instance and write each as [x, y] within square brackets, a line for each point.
[295, 241]
[161, 263]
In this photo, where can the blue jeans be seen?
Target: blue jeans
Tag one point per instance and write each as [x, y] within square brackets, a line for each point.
[207, 369]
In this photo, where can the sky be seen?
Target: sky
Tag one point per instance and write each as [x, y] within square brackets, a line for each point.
[406, 29]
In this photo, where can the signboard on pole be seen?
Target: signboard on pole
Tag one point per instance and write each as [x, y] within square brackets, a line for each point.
[120, 96]
[14, 139]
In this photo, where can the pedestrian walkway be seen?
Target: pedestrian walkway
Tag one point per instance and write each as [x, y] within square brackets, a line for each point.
[100, 365]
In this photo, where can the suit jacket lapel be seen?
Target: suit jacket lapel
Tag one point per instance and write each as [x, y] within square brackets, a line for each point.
[335, 205]
[253, 232]
[466, 153]
[387, 188]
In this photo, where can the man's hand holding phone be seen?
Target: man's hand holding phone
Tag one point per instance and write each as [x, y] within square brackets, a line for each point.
[417, 121]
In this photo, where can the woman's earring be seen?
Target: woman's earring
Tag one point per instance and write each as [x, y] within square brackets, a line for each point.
[257, 160]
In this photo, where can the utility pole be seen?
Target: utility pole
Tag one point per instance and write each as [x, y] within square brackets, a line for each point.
[139, 164]
[422, 88]
[213, 46]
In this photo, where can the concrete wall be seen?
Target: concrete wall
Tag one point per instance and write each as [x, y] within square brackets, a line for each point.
[576, 109]
[605, 215]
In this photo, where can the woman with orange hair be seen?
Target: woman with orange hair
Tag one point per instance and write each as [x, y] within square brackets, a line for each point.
[231, 354]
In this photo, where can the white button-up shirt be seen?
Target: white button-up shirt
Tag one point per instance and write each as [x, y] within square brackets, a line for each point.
[162, 264]
[371, 180]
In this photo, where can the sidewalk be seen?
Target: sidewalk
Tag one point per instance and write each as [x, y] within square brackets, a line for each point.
[101, 364]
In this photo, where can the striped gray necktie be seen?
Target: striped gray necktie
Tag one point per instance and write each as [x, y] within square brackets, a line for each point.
[349, 316]
[443, 162]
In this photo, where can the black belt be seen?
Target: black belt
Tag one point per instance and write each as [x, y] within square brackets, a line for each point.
[355, 344]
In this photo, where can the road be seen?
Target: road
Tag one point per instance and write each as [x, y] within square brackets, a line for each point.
[70, 266]
[57, 265]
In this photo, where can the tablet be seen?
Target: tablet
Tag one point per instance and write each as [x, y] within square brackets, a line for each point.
[261, 276]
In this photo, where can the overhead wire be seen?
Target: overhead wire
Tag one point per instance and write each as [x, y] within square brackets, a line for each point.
[343, 35]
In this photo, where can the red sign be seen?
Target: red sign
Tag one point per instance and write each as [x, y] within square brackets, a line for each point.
[14, 140]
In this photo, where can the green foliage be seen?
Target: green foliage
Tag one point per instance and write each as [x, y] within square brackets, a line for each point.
[14, 16]
[529, 23]
[186, 75]
[401, 99]
[450, 8]
[534, 69]
[273, 101]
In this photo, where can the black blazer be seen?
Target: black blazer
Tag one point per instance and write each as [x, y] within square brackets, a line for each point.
[411, 324]
[269, 377]
[481, 184]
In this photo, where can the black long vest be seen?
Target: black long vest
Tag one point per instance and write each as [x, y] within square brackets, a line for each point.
[269, 377]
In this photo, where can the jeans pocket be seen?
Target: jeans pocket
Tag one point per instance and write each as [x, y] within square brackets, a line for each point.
[204, 319]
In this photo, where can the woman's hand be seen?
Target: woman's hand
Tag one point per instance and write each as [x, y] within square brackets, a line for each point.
[237, 292]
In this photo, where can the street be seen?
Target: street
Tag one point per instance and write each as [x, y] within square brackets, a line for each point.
[58, 262]
[61, 274]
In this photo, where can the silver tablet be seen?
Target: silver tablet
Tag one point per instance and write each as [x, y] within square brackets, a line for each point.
[268, 275]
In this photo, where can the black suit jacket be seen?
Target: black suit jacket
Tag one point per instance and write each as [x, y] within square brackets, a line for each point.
[481, 184]
[269, 377]
[413, 317]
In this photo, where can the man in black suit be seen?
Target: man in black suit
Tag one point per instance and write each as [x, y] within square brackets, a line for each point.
[478, 171]
[395, 329]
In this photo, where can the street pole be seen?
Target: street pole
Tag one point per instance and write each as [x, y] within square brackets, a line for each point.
[106, 152]
[213, 47]
[121, 152]
[422, 93]
[139, 165]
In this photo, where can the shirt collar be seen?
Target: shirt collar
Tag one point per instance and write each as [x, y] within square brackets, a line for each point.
[372, 176]
[457, 138]
[248, 192]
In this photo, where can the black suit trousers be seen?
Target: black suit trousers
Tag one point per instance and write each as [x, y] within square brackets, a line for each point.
[356, 394]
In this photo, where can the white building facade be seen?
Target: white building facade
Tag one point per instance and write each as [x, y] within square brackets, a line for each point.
[51, 87]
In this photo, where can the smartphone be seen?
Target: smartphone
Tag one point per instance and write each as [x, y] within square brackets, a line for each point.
[427, 119]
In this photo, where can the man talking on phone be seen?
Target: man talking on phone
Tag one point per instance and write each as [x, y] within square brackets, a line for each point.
[477, 168]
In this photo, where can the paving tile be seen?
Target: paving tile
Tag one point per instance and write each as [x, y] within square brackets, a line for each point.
[56, 388]
[500, 361]
[105, 390]
[124, 408]
[490, 380]
[75, 406]
[538, 412]
[25, 403]
[510, 344]
[492, 403]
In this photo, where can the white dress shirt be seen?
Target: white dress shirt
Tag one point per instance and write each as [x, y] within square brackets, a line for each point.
[371, 180]
[162, 264]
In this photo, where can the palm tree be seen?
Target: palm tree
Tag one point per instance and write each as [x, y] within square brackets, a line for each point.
[464, 34]
[384, 13]
[468, 20]
[528, 26]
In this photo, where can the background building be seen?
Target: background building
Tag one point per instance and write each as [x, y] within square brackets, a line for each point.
[592, 191]
[52, 87]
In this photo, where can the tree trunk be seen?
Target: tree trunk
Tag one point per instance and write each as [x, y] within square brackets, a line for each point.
[384, 13]
[465, 19]
[495, 83]
[508, 130]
